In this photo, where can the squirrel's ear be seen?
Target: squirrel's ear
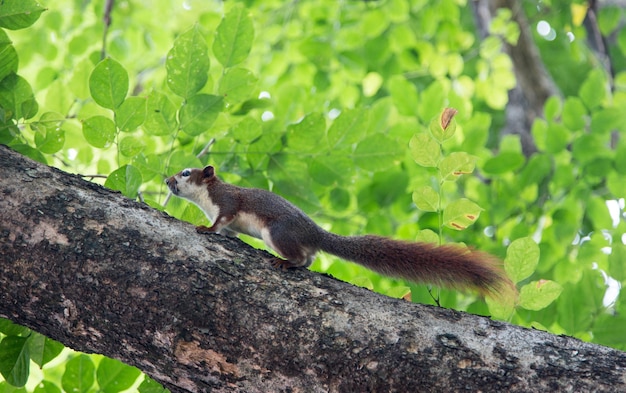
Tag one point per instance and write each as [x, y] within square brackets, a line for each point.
[208, 172]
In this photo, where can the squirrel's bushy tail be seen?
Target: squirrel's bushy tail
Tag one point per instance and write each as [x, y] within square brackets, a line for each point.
[450, 266]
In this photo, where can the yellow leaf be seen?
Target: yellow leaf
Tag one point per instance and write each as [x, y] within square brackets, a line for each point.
[579, 12]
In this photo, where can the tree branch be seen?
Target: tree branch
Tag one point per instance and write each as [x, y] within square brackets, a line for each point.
[534, 83]
[101, 273]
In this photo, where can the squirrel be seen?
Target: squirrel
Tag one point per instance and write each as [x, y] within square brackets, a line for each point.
[296, 237]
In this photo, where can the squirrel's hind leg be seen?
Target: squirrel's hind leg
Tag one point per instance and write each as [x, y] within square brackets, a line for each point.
[294, 253]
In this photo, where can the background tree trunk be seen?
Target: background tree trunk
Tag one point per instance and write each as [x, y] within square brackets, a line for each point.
[534, 83]
[101, 273]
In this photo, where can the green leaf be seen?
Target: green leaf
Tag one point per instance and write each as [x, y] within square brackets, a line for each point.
[330, 169]
[594, 89]
[14, 360]
[233, 39]
[606, 120]
[399, 292]
[108, 83]
[99, 131]
[237, 85]
[616, 185]
[579, 302]
[538, 295]
[8, 132]
[377, 153]
[587, 148]
[490, 47]
[188, 63]
[620, 159]
[348, 128]
[552, 108]
[608, 19]
[379, 114]
[307, 134]
[131, 146]
[597, 212]
[621, 40]
[522, 257]
[432, 100]
[476, 131]
[426, 199]
[386, 188]
[502, 25]
[183, 159]
[501, 308]
[292, 180]
[460, 214]
[455, 165]
[404, 95]
[247, 130]
[609, 330]
[372, 83]
[617, 262]
[199, 113]
[8, 56]
[427, 236]
[114, 376]
[50, 137]
[42, 349]
[253, 103]
[19, 14]
[339, 199]
[16, 97]
[160, 115]
[4, 38]
[539, 131]
[318, 51]
[126, 179]
[12, 329]
[78, 81]
[503, 163]
[149, 385]
[79, 374]
[443, 126]
[425, 150]
[557, 138]
[574, 113]
[47, 387]
[131, 114]
[536, 170]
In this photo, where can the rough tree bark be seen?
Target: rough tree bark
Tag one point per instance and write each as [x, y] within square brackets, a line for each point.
[101, 273]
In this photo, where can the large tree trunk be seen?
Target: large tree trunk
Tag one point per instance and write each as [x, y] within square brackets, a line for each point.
[101, 273]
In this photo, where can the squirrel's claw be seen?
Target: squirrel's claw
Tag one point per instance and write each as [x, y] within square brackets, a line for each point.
[282, 264]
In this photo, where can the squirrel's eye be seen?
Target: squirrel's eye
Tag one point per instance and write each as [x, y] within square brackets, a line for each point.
[185, 173]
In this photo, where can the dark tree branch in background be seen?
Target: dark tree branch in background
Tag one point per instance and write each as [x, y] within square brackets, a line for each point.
[597, 42]
[101, 273]
[534, 84]
[106, 19]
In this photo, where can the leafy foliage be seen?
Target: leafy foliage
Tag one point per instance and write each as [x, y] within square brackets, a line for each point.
[339, 107]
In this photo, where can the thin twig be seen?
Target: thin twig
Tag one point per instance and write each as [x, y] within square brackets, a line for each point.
[106, 18]
[206, 148]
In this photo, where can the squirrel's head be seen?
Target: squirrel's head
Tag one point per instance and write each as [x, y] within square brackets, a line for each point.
[190, 183]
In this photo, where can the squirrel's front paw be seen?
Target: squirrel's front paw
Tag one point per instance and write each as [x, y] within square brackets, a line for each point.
[283, 264]
[203, 229]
